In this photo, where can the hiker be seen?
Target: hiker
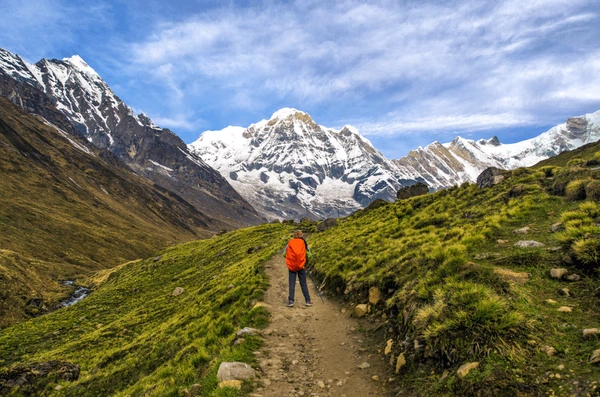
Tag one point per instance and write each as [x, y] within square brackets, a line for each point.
[296, 253]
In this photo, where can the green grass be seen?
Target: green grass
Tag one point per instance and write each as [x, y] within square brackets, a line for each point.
[434, 258]
[132, 337]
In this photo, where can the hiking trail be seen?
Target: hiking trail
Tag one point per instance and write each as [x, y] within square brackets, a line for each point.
[314, 351]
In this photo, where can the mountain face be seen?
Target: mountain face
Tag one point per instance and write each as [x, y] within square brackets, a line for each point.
[68, 209]
[462, 160]
[291, 167]
[95, 112]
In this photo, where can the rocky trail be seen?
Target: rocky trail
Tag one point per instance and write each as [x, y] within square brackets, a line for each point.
[318, 350]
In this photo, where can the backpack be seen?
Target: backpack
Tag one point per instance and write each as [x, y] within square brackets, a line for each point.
[295, 254]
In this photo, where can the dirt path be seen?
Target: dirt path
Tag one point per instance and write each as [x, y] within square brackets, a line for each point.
[313, 351]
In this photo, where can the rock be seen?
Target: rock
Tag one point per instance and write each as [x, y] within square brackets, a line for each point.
[595, 358]
[418, 189]
[178, 291]
[573, 277]
[400, 362]
[157, 258]
[528, 244]
[231, 383]
[230, 286]
[364, 365]
[321, 384]
[388, 347]
[523, 230]
[508, 275]
[558, 273]
[327, 224]
[565, 309]
[360, 310]
[560, 367]
[590, 332]
[490, 177]
[247, 331]
[565, 292]
[374, 295]
[375, 378]
[551, 301]
[58, 387]
[500, 241]
[466, 368]
[235, 371]
[549, 350]
[557, 227]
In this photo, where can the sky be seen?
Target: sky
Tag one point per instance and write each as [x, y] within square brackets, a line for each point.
[405, 73]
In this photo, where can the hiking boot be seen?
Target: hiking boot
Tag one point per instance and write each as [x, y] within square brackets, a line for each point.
[290, 304]
[309, 303]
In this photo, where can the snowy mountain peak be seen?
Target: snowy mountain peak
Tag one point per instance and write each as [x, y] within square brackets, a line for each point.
[291, 167]
[77, 62]
[284, 113]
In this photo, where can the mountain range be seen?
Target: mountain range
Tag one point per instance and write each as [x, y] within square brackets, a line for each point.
[290, 167]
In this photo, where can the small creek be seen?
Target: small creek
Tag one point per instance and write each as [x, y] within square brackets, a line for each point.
[76, 296]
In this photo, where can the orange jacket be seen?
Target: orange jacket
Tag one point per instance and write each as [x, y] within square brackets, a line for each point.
[295, 254]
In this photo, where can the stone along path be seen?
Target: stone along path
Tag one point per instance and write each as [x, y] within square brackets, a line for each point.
[313, 351]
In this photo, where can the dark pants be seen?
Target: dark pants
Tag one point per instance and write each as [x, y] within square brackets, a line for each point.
[302, 278]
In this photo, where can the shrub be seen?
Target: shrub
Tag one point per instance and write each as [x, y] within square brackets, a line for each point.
[587, 250]
[592, 189]
[575, 190]
[575, 163]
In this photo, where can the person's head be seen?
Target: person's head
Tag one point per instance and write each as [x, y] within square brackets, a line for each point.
[298, 233]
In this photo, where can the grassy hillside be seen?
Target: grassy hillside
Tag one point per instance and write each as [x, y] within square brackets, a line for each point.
[65, 213]
[457, 289]
[132, 337]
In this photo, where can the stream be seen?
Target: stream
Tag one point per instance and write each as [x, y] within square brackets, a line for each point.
[76, 296]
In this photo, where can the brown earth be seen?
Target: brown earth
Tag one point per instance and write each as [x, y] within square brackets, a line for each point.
[316, 351]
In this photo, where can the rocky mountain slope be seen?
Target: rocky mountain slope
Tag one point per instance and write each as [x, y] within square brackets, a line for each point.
[462, 160]
[291, 167]
[89, 104]
[68, 209]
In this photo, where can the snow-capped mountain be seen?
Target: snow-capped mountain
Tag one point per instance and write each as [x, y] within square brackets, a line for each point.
[88, 103]
[462, 160]
[291, 167]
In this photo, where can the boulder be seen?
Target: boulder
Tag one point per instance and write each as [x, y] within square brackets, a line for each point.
[490, 177]
[178, 291]
[235, 371]
[374, 295]
[418, 189]
[590, 332]
[400, 362]
[247, 331]
[573, 277]
[595, 358]
[523, 230]
[528, 244]
[466, 368]
[327, 224]
[558, 273]
[361, 310]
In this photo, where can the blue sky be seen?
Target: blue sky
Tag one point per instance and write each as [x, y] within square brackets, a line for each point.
[405, 73]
